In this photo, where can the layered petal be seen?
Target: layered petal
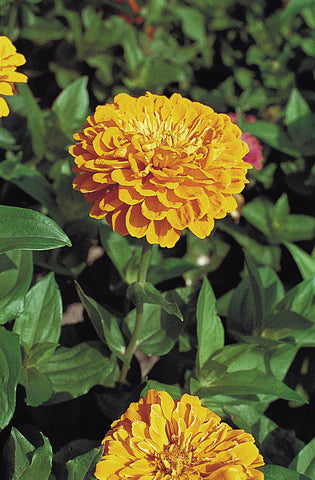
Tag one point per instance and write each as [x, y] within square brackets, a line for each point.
[174, 163]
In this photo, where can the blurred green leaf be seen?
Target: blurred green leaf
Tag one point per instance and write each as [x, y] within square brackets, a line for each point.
[83, 466]
[298, 117]
[23, 229]
[40, 467]
[6, 139]
[105, 324]
[210, 330]
[304, 462]
[193, 22]
[40, 321]
[145, 292]
[275, 472]
[10, 367]
[75, 370]
[16, 268]
[35, 120]
[168, 269]
[295, 6]
[71, 106]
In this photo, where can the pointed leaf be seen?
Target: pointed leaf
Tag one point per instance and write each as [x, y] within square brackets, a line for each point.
[22, 229]
[37, 385]
[257, 292]
[105, 324]
[40, 467]
[84, 465]
[40, 321]
[16, 269]
[304, 462]
[210, 330]
[275, 472]
[35, 120]
[298, 117]
[144, 292]
[22, 448]
[305, 262]
[10, 367]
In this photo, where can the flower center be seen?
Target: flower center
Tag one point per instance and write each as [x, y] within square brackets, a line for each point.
[173, 461]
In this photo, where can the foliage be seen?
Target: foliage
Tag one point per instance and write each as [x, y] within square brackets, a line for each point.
[229, 318]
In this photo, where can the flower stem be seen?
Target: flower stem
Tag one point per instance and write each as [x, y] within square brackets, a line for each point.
[142, 275]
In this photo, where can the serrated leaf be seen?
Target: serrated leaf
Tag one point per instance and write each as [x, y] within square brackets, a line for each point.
[83, 465]
[10, 367]
[75, 370]
[40, 321]
[16, 269]
[105, 324]
[71, 106]
[210, 330]
[40, 467]
[144, 292]
[23, 229]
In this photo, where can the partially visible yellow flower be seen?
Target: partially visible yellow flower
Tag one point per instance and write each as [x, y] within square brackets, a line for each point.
[162, 439]
[9, 60]
[154, 166]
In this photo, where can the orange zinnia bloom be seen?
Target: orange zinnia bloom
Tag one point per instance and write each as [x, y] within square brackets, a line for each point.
[159, 438]
[154, 166]
[9, 60]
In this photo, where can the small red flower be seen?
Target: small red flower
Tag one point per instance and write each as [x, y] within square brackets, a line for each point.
[254, 156]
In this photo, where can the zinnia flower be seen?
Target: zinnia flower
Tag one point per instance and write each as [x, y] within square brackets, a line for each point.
[9, 60]
[154, 166]
[254, 156]
[159, 438]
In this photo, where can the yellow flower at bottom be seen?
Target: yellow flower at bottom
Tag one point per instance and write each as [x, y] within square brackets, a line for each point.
[159, 438]
[9, 60]
[154, 166]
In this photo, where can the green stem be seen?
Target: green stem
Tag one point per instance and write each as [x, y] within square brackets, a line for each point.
[11, 21]
[142, 275]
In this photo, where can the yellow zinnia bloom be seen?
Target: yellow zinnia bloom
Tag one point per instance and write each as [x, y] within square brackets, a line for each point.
[154, 166]
[159, 438]
[9, 60]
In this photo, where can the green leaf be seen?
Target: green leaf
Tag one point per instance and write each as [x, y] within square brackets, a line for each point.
[31, 181]
[292, 230]
[22, 229]
[75, 370]
[305, 262]
[270, 134]
[37, 385]
[258, 212]
[105, 324]
[22, 448]
[40, 321]
[159, 331]
[298, 117]
[6, 139]
[210, 330]
[16, 268]
[144, 292]
[287, 324]
[293, 7]
[304, 462]
[250, 382]
[40, 467]
[117, 248]
[83, 465]
[275, 472]
[71, 106]
[299, 299]
[257, 293]
[168, 269]
[173, 390]
[35, 120]
[10, 367]
[193, 22]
